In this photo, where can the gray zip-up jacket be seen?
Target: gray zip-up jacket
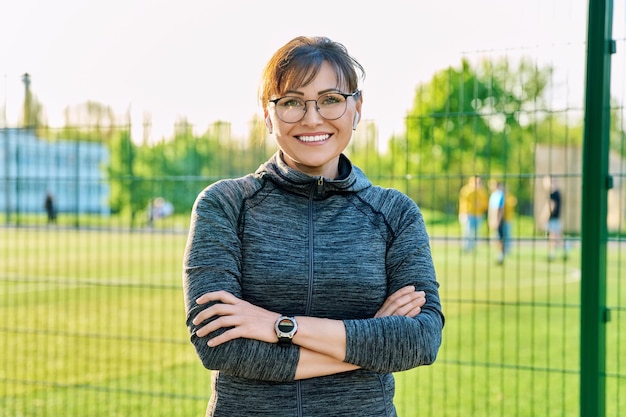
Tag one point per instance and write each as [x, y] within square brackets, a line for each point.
[308, 246]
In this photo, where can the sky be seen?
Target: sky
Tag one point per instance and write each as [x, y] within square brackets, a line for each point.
[202, 59]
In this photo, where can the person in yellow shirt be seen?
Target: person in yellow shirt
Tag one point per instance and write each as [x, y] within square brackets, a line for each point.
[473, 204]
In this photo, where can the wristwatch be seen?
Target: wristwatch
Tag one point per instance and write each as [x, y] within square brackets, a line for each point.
[286, 328]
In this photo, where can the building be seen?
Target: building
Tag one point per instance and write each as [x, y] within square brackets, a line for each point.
[564, 163]
[72, 171]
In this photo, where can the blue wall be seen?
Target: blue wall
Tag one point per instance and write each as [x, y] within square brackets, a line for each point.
[73, 171]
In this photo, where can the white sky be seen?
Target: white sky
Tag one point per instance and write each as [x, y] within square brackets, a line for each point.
[201, 59]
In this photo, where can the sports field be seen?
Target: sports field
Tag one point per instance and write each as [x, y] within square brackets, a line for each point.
[93, 326]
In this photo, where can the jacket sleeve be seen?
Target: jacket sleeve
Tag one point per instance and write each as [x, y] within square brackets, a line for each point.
[392, 344]
[212, 262]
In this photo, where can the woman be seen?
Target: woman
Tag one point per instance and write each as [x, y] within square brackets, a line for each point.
[305, 285]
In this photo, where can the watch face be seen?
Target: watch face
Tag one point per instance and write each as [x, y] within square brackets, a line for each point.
[285, 325]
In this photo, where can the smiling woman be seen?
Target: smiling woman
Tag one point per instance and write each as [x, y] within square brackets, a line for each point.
[303, 281]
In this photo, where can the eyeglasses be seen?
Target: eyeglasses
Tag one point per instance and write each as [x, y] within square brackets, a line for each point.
[330, 106]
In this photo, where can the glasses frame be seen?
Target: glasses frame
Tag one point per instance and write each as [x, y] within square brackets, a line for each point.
[305, 108]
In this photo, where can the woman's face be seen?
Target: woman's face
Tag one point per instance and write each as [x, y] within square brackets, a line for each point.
[313, 144]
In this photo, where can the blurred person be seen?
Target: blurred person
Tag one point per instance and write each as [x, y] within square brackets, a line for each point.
[500, 216]
[554, 227]
[50, 208]
[306, 287]
[510, 205]
[159, 208]
[473, 205]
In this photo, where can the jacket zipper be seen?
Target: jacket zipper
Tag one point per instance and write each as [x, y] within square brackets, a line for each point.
[320, 184]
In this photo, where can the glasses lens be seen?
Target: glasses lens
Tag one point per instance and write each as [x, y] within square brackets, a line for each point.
[290, 109]
[331, 106]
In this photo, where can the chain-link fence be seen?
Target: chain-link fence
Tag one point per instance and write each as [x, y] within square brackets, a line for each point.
[94, 226]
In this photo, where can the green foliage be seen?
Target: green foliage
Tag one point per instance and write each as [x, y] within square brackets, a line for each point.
[179, 168]
[473, 119]
[127, 192]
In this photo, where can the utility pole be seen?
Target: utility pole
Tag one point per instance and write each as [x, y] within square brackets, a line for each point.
[28, 103]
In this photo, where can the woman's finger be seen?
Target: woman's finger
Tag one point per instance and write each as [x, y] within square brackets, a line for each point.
[393, 297]
[223, 296]
[402, 304]
[215, 310]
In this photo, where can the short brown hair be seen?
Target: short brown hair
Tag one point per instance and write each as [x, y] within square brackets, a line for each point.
[297, 63]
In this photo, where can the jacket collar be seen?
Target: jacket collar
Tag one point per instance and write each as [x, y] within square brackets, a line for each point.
[351, 179]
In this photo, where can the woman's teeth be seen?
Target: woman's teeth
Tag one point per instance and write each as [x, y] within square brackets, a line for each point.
[316, 138]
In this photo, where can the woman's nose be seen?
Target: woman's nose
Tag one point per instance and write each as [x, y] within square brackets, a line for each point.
[312, 114]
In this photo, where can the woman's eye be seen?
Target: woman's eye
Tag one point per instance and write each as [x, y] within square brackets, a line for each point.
[291, 103]
[330, 99]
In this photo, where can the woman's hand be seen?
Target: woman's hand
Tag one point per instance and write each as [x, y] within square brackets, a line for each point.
[404, 302]
[245, 320]
[239, 317]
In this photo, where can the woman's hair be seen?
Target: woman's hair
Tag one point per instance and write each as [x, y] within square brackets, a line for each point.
[297, 63]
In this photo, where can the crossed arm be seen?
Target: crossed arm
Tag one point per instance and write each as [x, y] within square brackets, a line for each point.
[322, 341]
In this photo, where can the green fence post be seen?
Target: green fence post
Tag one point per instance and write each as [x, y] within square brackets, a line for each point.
[595, 184]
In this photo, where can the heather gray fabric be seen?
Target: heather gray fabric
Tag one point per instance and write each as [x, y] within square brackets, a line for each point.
[300, 245]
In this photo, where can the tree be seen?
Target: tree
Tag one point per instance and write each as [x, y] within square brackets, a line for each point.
[472, 120]
[90, 121]
[126, 191]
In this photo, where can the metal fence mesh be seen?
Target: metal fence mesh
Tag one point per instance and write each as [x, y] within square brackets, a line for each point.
[92, 313]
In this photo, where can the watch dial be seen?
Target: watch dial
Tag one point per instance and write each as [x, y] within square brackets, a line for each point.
[285, 325]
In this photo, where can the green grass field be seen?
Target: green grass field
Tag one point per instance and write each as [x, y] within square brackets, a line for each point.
[93, 326]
